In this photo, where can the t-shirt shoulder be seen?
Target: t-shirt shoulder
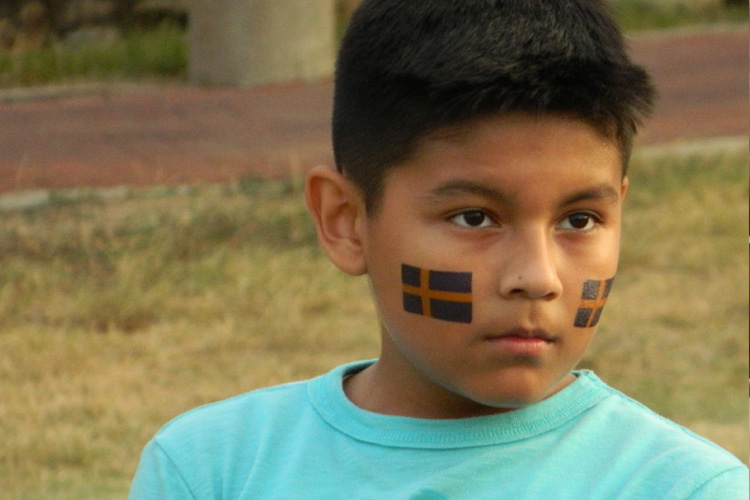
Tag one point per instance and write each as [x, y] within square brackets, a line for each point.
[638, 423]
[218, 443]
[235, 412]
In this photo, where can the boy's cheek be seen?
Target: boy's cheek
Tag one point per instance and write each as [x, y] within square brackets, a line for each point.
[442, 295]
[594, 296]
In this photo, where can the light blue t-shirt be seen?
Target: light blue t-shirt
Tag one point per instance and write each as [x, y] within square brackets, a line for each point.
[306, 440]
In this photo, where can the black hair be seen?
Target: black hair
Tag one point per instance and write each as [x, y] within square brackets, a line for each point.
[407, 68]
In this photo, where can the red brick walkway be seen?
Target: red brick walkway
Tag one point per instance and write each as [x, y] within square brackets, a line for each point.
[187, 135]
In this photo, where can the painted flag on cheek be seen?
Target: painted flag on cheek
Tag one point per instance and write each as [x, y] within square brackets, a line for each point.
[441, 295]
[593, 298]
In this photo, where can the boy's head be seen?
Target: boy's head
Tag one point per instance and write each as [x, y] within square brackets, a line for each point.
[409, 68]
[482, 146]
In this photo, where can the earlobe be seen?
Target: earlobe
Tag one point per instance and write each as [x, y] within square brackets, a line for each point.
[339, 216]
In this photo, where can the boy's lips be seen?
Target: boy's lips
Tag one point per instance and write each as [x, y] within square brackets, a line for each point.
[524, 333]
[521, 341]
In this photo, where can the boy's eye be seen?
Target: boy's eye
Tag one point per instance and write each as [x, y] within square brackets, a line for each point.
[579, 222]
[472, 218]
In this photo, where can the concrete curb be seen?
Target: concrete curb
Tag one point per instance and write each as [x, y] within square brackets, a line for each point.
[34, 199]
[28, 200]
[97, 89]
[694, 147]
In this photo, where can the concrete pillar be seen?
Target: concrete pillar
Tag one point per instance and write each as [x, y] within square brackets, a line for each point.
[253, 42]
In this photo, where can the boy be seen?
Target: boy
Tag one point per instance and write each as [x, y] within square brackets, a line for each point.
[481, 148]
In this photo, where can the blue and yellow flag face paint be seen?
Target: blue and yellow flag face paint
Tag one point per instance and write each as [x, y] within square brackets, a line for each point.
[441, 295]
[593, 298]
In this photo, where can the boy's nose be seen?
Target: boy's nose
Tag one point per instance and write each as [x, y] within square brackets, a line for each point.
[530, 269]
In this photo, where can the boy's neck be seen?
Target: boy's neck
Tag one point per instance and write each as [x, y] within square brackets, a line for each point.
[378, 390]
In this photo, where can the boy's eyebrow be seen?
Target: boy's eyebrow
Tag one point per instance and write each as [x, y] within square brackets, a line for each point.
[602, 191]
[464, 187]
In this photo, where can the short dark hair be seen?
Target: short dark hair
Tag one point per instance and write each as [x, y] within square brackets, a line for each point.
[407, 68]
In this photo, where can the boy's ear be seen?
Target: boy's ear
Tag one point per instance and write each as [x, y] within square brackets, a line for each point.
[339, 214]
[624, 188]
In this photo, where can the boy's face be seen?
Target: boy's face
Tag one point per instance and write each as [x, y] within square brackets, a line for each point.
[531, 208]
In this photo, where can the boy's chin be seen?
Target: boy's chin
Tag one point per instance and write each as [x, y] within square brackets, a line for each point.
[517, 395]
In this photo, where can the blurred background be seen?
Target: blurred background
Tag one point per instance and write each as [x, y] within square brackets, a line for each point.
[50, 41]
[155, 251]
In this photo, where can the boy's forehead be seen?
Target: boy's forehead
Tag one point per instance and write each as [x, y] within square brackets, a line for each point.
[516, 122]
[521, 135]
[507, 157]
[603, 191]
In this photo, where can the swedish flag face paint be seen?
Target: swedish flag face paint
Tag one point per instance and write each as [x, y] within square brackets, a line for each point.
[593, 298]
[443, 295]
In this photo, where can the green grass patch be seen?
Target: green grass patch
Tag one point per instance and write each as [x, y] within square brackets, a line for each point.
[117, 315]
[639, 15]
[158, 52]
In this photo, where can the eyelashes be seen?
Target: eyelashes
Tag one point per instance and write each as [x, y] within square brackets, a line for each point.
[580, 221]
[473, 218]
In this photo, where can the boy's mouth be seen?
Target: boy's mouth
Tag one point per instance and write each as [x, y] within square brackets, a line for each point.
[523, 334]
[520, 341]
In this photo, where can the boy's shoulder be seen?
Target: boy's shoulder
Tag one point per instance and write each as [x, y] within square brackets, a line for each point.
[636, 419]
[235, 427]
[241, 420]
[644, 442]
[217, 445]
[251, 408]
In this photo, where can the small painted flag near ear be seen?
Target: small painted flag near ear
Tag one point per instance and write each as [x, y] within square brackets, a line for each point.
[593, 298]
[437, 294]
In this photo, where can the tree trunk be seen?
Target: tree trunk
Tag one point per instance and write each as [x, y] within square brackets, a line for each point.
[253, 42]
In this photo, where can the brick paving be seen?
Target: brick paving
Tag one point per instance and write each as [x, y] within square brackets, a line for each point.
[171, 135]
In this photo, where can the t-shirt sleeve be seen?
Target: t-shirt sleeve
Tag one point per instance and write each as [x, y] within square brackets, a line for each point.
[732, 484]
[157, 477]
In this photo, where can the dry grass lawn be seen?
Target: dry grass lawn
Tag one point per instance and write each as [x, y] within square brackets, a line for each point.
[116, 316]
